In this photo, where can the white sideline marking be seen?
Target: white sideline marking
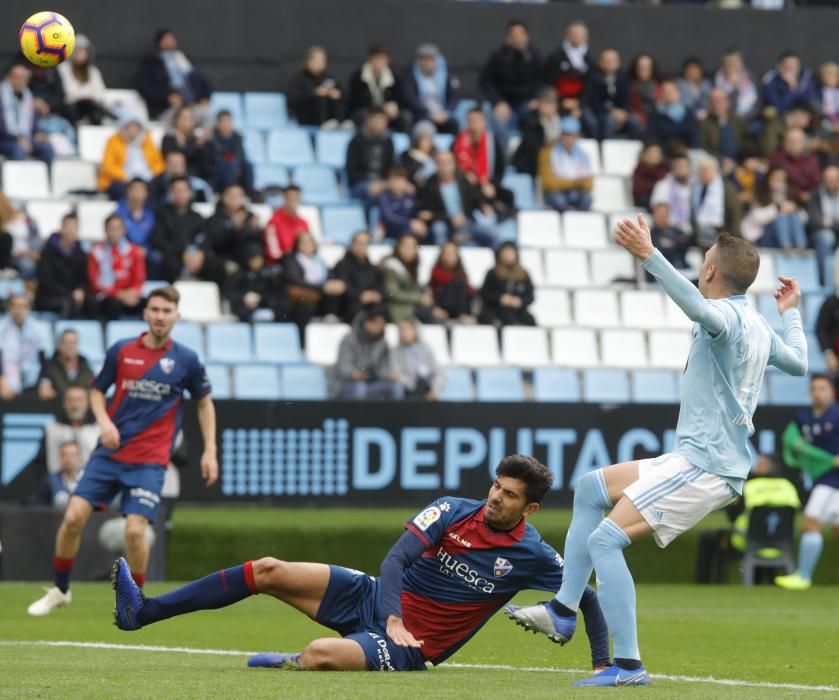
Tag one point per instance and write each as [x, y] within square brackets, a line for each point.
[710, 680]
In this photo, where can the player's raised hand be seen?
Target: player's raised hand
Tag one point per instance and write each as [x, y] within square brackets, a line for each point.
[209, 467]
[787, 294]
[397, 632]
[109, 435]
[635, 237]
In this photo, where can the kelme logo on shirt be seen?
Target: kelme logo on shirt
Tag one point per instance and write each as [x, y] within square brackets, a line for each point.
[427, 518]
[502, 567]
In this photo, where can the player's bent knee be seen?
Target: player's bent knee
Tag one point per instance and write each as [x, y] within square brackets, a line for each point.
[74, 520]
[268, 573]
[326, 655]
[135, 532]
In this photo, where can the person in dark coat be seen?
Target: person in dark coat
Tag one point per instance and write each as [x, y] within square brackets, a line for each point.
[538, 129]
[827, 332]
[429, 91]
[375, 85]
[232, 232]
[257, 292]
[62, 272]
[184, 136]
[179, 239]
[370, 157]
[607, 107]
[64, 369]
[566, 69]
[650, 169]
[673, 124]
[229, 165]
[362, 280]
[507, 291]
[314, 94]
[450, 286]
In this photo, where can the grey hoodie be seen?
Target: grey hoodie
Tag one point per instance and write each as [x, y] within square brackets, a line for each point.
[359, 352]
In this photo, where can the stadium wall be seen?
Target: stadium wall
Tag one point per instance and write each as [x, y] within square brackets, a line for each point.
[258, 44]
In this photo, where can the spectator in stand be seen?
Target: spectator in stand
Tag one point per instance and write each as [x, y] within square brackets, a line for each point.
[418, 370]
[674, 191]
[673, 124]
[176, 166]
[565, 171]
[61, 136]
[643, 87]
[650, 169]
[788, 84]
[20, 137]
[453, 295]
[179, 241]
[735, 81]
[748, 172]
[64, 369]
[801, 166]
[20, 241]
[130, 153]
[454, 208]
[673, 242]
[310, 290]
[694, 87]
[823, 217]
[136, 213]
[84, 88]
[374, 86]
[511, 78]
[775, 220]
[827, 332]
[370, 157]
[606, 100]
[721, 133]
[232, 232]
[828, 89]
[167, 79]
[116, 272]
[23, 344]
[62, 272]
[284, 227]
[404, 295]
[229, 165]
[714, 204]
[429, 91]
[539, 128]
[55, 489]
[566, 69]
[507, 290]
[418, 160]
[186, 137]
[45, 83]
[366, 368]
[257, 293]
[361, 278]
[398, 207]
[314, 94]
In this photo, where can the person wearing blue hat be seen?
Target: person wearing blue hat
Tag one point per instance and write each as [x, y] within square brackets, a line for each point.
[565, 170]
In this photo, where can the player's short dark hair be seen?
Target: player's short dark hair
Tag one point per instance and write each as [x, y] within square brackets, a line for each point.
[536, 476]
[815, 376]
[223, 113]
[70, 215]
[292, 188]
[376, 112]
[168, 293]
[112, 217]
[738, 262]
[516, 22]
[476, 110]
[180, 178]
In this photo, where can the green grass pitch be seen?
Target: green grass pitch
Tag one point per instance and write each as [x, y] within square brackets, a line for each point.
[769, 643]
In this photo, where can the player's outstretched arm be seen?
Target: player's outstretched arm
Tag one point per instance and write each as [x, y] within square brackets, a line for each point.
[404, 552]
[789, 354]
[207, 422]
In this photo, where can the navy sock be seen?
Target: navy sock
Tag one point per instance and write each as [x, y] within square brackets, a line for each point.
[62, 570]
[596, 628]
[628, 664]
[560, 609]
[217, 590]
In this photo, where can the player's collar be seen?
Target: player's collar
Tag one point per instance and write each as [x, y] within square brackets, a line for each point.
[517, 533]
[165, 348]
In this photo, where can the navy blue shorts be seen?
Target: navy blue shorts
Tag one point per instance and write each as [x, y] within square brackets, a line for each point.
[349, 607]
[139, 484]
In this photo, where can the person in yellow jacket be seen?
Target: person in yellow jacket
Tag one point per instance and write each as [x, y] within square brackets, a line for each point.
[130, 153]
[565, 171]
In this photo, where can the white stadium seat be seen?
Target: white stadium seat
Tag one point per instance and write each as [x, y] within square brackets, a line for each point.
[47, 214]
[428, 255]
[322, 341]
[205, 209]
[122, 102]
[551, 307]
[625, 348]
[331, 253]
[567, 268]
[311, 215]
[25, 179]
[611, 264]
[532, 261]
[435, 337]
[539, 229]
[618, 216]
[592, 149]
[200, 301]
[596, 308]
[766, 280]
[477, 262]
[376, 252]
[584, 229]
[92, 215]
[475, 346]
[262, 213]
[642, 309]
[620, 157]
[610, 194]
[525, 346]
[71, 175]
[92, 140]
[674, 317]
[669, 349]
[574, 347]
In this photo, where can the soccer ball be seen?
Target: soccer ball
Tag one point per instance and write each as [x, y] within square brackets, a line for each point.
[47, 39]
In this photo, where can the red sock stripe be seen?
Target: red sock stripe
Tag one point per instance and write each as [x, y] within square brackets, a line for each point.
[139, 579]
[250, 582]
[61, 565]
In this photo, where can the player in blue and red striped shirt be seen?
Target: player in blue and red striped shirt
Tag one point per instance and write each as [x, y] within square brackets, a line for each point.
[459, 561]
[138, 429]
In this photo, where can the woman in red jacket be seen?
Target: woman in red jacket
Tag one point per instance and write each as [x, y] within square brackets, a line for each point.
[450, 286]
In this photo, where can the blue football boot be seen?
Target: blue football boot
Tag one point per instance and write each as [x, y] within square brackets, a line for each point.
[544, 619]
[615, 676]
[129, 597]
[270, 659]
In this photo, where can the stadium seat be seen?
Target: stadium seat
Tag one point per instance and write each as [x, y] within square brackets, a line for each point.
[521, 185]
[551, 307]
[438, 342]
[317, 183]
[605, 386]
[303, 383]
[584, 229]
[642, 309]
[92, 215]
[674, 316]
[596, 308]
[311, 215]
[277, 343]
[531, 260]
[341, 222]
[72, 176]
[270, 175]
[669, 349]
[47, 214]
[654, 386]
[443, 142]
[322, 341]
[219, 376]
[92, 140]
[401, 142]
[428, 255]
[610, 265]
[205, 209]
[10, 287]
[475, 346]
[556, 384]
[567, 268]
[620, 157]
[256, 382]
[828, 270]
[524, 346]
[229, 343]
[803, 267]
[190, 334]
[477, 262]
[200, 301]
[766, 280]
[812, 305]
[25, 179]
[623, 348]
[231, 102]
[253, 141]
[291, 147]
[91, 342]
[123, 101]
[574, 347]
[786, 390]
[331, 253]
[119, 330]
[500, 384]
[377, 252]
[610, 194]
[331, 148]
[591, 148]
[458, 386]
[265, 110]
[539, 229]
[768, 307]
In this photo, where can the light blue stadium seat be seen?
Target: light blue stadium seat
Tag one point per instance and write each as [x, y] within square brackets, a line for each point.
[401, 142]
[10, 287]
[253, 141]
[219, 376]
[500, 384]
[229, 342]
[331, 148]
[257, 382]
[150, 285]
[654, 386]
[270, 175]
[786, 390]
[303, 382]
[317, 183]
[768, 308]
[290, 147]
[443, 142]
[605, 386]
[458, 386]
[118, 330]
[462, 109]
[521, 184]
[190, 334]
[278, 343]
[556, 384]
[827, 271]
[803, 267]
[816, 363]
[341, 222]
[265, 110]
[91, 342]
[812, 305]
[230, 101]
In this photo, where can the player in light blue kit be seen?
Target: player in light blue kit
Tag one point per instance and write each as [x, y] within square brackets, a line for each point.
[732, 345]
